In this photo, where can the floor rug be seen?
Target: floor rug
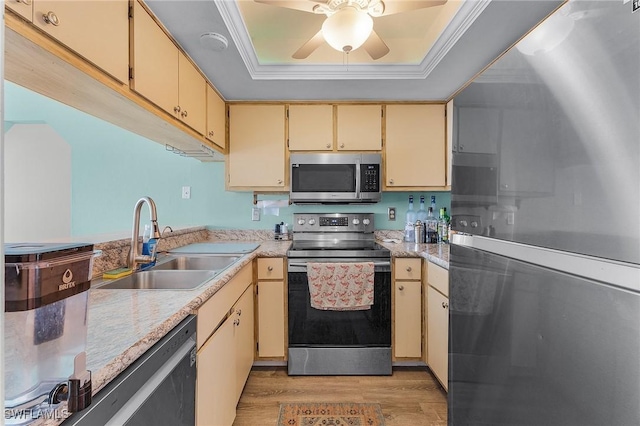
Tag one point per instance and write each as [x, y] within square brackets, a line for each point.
[330, 414]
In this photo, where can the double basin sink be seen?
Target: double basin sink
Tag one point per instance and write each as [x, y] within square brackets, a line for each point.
[184, 269]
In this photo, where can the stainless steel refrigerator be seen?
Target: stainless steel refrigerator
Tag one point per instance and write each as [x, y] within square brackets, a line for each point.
[544, 310]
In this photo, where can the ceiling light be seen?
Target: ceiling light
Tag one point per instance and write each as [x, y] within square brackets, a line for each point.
[214, 41]
[347, 29]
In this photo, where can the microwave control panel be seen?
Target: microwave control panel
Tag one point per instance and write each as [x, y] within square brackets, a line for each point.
[370, 177]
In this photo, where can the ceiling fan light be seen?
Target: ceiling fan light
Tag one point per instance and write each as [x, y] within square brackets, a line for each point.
[347, 29]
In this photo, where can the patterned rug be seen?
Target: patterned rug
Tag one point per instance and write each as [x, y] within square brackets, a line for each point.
[328, 414]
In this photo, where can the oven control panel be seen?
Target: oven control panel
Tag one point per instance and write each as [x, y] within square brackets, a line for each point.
[333, 222]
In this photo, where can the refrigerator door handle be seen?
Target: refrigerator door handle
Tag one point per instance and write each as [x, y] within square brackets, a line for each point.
[616, 273]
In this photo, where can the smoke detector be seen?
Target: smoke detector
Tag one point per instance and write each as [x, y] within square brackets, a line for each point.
[214, 41]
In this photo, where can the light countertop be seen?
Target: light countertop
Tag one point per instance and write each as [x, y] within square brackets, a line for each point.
[123, 324]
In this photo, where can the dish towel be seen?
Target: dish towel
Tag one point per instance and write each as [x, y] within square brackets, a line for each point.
[341, 286]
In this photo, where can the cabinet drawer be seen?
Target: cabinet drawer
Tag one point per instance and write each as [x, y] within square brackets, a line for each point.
[214, 309]
[438, 278]
[408, 268]
[270, 268]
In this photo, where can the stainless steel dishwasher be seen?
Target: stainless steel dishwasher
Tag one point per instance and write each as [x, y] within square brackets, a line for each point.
[157, 389]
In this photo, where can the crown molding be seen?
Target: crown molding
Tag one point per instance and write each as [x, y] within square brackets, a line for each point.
[464, 18]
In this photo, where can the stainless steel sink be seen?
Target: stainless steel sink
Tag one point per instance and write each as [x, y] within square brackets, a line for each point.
[162, 280]
[204, 263]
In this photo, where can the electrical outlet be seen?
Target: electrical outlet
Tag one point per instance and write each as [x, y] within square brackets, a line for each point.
[255, 213]
[391, 213]
[186, 192]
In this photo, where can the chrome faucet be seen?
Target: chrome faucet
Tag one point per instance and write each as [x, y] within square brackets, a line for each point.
[135, 258]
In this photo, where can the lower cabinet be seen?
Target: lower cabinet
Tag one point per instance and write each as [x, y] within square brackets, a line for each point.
[216, 382]
[271, 308]
[438, 322]
[225, 350]
[243, 321]
[407, 301]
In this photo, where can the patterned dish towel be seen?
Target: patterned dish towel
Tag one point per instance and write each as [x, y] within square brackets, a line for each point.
[341, 286]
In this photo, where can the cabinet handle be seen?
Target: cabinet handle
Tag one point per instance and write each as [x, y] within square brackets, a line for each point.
[390, 181]
[408, 268]
[461, 148]
[50, 18]
[269, 268]
[176, 109]
[279, 181]
[504, 186]
[184, 114]
[236, 322]
[27, 2]
[401, 288]
[211, 133]
[341, 145]
[328, 145]
[445, 305]
[239, 312]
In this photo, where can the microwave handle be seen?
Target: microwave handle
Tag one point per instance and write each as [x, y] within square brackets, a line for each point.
[357, 179]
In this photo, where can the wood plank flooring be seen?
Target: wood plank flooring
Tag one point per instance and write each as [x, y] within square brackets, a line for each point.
[411, 396]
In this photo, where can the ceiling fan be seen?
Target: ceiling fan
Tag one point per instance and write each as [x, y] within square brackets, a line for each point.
[349, 23]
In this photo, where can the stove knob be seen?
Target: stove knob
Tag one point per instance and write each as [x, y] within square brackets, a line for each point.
[356, 221]
[366, 221]
[312, 221]
[300, 221]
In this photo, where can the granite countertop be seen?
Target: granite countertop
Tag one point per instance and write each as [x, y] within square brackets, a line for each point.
[132, 321]
[436, 253]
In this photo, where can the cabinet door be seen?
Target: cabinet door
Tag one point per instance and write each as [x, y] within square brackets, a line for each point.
[155, 62]
[97, 30]
[310, 127]
[244, 339]
[256, 147]
[408, 319]
[192, 95]
[438, 335]
[415, 146]
[216, 118]
[359, 127]
[23, 8]
[216, 381]
[478, 130]
[271, 320]
[527, 152]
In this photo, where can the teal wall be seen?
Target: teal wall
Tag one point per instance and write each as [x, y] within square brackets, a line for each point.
[112, 168]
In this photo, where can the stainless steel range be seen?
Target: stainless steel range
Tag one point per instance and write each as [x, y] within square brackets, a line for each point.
[329, 342]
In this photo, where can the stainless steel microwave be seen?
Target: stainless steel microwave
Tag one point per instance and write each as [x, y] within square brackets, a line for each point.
[335, 178]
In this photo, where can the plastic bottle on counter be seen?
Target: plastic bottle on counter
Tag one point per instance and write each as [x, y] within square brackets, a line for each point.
[410, 220]
[421, 215]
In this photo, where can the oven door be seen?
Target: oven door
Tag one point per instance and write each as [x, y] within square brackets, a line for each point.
[338, 342]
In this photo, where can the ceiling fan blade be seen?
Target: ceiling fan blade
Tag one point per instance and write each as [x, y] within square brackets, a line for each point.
[375, 47]
[307, 49]
[304, 5]
[398, 6]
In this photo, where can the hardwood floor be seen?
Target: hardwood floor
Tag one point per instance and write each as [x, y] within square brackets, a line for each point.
[411, 396]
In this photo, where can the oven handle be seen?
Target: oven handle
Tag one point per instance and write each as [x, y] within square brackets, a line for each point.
[302, 267]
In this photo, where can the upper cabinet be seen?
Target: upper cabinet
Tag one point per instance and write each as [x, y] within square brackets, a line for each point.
[192, 95]
[256, 158]
[415, 146]
[164, 75]
[96, 30]
[310, 128]
[216, 118]
[478, 130]
[359, 127]
[154, 59]
[23, 8]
